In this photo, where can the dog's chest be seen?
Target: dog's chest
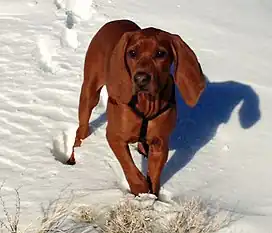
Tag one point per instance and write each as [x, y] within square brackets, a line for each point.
[148, 106]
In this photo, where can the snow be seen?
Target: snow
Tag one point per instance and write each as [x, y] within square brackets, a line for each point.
[219, 149]
[69, 38]
[44, 53]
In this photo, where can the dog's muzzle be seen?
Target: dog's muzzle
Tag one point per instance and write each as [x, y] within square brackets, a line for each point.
[141, 80]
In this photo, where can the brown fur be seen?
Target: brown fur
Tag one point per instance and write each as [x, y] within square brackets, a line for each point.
[108, 62]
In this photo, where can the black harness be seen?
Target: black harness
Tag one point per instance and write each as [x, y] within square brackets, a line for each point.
[132, 104]
[143, 131]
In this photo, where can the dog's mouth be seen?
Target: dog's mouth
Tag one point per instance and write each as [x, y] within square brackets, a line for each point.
[147, 89]
[144, 89]
[153, 90]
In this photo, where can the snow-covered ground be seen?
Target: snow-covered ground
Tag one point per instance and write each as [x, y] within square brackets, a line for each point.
[221, 149]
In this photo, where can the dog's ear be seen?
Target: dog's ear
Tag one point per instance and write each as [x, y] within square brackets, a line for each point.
[118, 80]
[188, 73]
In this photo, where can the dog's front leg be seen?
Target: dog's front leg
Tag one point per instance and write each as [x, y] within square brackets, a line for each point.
[136, 180]
[157, 158]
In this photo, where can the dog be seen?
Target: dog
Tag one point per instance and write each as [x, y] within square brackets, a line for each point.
[135, 66]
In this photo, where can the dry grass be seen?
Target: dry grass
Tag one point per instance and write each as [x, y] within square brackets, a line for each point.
[56, 214]
[53, 220]
[129, 218]
[86, 214]
[11, 223]
[193, 216]
[197, 217]
[62, 216]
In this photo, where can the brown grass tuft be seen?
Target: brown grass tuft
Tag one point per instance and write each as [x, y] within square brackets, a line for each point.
[196, 217]
[129, 218]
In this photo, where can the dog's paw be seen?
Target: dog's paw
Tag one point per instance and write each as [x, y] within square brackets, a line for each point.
[71, 160]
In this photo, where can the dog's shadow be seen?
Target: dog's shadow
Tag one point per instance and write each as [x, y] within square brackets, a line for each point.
[197, 126]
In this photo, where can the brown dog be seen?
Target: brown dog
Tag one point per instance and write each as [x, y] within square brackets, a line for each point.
[134, 64]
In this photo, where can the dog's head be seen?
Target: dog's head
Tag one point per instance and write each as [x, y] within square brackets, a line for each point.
[141, 62]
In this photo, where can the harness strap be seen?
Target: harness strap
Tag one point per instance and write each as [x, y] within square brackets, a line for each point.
[143, 130]
[144, 126]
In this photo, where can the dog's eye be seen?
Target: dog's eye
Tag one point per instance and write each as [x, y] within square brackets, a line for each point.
[132, 53]
[160, 54]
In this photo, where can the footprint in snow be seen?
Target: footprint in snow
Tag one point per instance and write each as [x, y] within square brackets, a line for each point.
[62, 144]
[43, 54]
[69, 38]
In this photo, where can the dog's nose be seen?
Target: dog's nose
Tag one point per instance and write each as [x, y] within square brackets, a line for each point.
[142, 78]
